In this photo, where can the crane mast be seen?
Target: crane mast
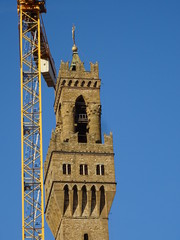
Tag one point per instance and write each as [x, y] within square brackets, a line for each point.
[35, 58]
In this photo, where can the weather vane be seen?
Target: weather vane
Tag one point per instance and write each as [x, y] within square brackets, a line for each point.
[73, 34]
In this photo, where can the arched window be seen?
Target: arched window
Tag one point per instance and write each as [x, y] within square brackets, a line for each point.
[75, 198]
[84, 198]
[66, 198]
[82, 84]
[89, 84]
[70, 82]
[86, 236]
[76, 83]
[102, 199]
[73, 67]
[95, 84]
[81, 119]
[63, 82]
[93, 198]
[59, 106]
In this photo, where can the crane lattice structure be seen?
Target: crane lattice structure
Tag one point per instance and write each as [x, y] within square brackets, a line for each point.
[35, 58]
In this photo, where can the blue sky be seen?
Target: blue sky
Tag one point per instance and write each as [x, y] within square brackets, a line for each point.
[137, 45]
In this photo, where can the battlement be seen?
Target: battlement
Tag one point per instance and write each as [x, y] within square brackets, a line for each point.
[77, 70]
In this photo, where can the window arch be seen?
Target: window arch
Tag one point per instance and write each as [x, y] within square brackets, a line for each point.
[66, 198]
[81, 119]
[102, 198]
[75, 198]
[84, 198]
[93, 198]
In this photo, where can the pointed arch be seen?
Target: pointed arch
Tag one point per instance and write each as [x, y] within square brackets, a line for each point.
[84, 198]
[93, 198]
[81, 119]
[66, 198]
[75, 198]
[102, 198]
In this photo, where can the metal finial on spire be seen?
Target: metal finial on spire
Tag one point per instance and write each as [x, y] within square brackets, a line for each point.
[74, 48]
[73, 34]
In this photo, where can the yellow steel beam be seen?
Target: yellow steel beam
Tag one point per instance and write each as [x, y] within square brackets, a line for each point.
[31, 121]
[40, 122]
[22, 135]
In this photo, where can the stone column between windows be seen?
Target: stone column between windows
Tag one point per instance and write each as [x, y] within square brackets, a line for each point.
[94, 116]
[71, 202]
[98, 203]
[104, 212]
[68, 120]
[88, 202]
[79, 207]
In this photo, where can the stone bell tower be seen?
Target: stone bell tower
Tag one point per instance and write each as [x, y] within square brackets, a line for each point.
[79, 168]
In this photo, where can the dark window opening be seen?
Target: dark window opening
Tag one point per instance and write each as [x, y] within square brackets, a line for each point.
[59, 107]
[93, 198]
[81, 120]
[85, 236]
[82, 84]
[66, 198]
[63, 82]
[69, 168]
[70, 82]
[89, 83]
[102, 199]
[76, 83]
[84, 198]
[66, 169]
[95, 84]
[75, 198]
[86, 169]
[83, 169]
[74, 68]
[100, 169]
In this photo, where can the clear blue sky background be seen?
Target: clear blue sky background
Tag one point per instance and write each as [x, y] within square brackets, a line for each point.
[137, 45]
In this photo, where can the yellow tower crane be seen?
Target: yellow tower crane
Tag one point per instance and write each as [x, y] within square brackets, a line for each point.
[35, 58]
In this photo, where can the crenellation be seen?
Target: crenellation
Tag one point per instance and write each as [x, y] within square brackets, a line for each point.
[94, 68]
[64, 67]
